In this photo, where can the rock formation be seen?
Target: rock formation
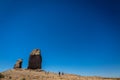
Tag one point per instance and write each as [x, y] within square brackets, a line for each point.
[35, 60]
[18, 64]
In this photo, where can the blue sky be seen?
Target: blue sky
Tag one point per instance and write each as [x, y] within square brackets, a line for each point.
[75, 36]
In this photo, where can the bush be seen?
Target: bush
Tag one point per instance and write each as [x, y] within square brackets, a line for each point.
[10, 77]
[1, 75]
[23, 79]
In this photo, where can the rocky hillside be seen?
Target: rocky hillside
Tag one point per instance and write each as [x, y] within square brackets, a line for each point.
[34, 71]
[26, 74]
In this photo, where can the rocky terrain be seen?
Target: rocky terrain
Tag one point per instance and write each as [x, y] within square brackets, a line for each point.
[26, 74]
[34, 71]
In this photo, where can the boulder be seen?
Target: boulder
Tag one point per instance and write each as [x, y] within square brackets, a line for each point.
[35, 60]
[18, 64]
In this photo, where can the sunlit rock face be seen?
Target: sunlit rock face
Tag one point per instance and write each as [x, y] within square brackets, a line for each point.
[18, 64]
[35, 60]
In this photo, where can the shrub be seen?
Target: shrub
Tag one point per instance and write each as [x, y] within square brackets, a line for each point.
[23, 79]
[10, 77]
[1, 75]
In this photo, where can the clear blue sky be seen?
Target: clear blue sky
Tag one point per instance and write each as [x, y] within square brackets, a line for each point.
[75, 36]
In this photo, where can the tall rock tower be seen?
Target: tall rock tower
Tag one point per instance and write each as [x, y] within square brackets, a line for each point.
[35, 60]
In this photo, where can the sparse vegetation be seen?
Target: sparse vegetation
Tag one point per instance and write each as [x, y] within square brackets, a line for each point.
[1, 75]
[10, 77]
[33, 75]
[23, 79]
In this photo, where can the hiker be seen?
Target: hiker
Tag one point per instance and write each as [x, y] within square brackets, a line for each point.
[62, 73]
[59, 73]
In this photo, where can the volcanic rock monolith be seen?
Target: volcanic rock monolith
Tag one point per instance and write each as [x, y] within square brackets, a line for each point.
[18, 64]
[35, 60]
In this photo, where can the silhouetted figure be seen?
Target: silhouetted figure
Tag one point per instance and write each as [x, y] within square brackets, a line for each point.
[59, 73]
[62, 73]
[47, 72]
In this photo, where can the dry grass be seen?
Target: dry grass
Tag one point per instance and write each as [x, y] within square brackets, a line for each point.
[22, 74]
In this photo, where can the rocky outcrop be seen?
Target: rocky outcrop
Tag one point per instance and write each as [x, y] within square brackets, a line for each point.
[18, 64]
[35, 60]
